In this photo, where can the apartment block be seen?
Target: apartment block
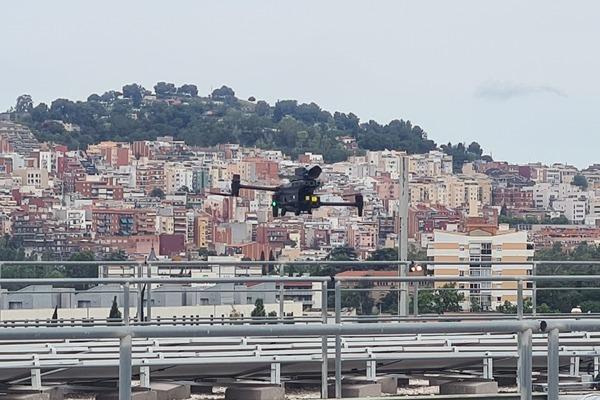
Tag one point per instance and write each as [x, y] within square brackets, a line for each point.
[483, 244]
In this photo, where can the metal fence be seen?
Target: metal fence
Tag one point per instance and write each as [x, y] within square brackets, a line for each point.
[524, 329]
[316, 327]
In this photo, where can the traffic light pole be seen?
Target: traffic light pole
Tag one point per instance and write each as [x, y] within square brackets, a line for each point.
[403, 237]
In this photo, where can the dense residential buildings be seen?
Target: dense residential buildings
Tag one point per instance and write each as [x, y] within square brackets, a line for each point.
[157, 198]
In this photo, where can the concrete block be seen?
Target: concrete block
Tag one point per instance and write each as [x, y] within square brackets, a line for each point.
[170, 391]
[308, 384]
[389, 383]
[27, 396]
[365, 389]
[402, 382]
[469, 387]
[135, 395]
[255, 393]
[201, 389]
[504, 381]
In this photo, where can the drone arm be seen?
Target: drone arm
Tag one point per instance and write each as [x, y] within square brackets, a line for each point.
[236, 185]
[358, 203]
[253, 187]
[337, 203]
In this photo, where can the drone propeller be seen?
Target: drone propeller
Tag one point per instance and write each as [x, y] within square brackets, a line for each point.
[360, 203]
[222, 194]
[314, 172]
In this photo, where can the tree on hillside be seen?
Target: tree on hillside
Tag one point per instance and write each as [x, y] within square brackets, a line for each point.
[164, 89]
[39, 113]
[134, 92]
[24, 104]
[462, 154]
[580, 181]
[288, 126]
[262, 108]
[475, 148]
[283, 108]
[93, 98]
[222, 93]
[110, 96]
[188, 90]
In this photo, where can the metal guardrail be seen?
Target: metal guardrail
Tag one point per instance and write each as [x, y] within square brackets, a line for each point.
[524, 329]
[125, 333]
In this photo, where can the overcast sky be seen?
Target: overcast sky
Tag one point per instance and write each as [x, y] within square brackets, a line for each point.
[521, 78]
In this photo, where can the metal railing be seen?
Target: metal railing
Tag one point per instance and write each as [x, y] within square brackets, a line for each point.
[134, 269]
[325, 329]
[524, 329]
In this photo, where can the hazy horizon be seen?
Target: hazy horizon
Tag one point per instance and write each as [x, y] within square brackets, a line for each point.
[516, 77]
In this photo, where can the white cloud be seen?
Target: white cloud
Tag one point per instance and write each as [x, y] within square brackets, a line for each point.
[495, 90]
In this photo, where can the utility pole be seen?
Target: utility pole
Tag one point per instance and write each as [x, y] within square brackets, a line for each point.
[403, 236]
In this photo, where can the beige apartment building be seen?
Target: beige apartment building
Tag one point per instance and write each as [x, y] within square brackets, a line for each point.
[483, 243]
[432, 164]
[36, 177]
[453, 191]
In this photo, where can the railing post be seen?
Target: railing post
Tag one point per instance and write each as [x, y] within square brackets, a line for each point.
[416, 300]
[574, 365]
[371, 370]
[126, 303]
[36, 374]
[524, 370]
[145, 377]
[338, 341]
[553, 364]
[520, 299]
[324, 346]
[403, 290]
[125, 368]
[1, 295]
[488, 368]
[275, 373]
[281, 294]
[148, 292]
[140, 286]
[36, 379]
[534, 290]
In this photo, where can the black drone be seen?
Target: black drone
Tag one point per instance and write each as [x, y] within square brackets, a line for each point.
[297, 196]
